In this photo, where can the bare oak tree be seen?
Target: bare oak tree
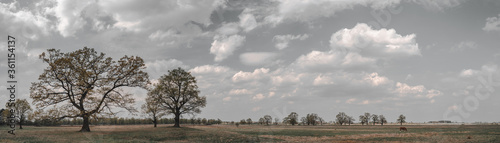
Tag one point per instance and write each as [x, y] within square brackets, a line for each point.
[177, 92]
[84, 83]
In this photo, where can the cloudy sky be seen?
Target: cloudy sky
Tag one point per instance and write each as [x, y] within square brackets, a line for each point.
[428, 60]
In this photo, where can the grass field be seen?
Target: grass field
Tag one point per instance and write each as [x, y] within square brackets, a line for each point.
[256, 133]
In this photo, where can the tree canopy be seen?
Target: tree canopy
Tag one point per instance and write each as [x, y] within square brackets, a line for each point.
[153, 109]
[177, 93]
[21, 109]
[401, 119]
[84, 83]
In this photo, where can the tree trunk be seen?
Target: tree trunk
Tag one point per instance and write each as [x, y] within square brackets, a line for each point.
[20, 124]
[177, 120]
[401, 123]
[155, 121]
[86, 123]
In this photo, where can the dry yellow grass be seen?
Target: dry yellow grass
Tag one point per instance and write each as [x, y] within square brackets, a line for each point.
[256, 133]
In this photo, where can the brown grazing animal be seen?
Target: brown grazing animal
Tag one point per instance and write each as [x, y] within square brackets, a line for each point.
[402, 129]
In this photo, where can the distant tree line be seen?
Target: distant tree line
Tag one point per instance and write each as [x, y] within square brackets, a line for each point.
[115, 121]
[313, 119]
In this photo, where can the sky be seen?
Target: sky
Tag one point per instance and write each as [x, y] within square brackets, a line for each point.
[428, 60]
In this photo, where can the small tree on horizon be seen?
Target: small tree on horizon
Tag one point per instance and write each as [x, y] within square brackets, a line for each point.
[152, 109]
[382, 119]
[341, 118]
[242, 121]
[268, 119]
[375, 119]
[21, 109]
[311, 119]
[293, 118]
[350, 120]
[249, 121]
[367, 118]
[401, 119]
[320, 120]
[262, 121]
[362, 119]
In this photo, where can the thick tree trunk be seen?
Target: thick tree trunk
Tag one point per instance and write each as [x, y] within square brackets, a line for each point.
[86, 123]
[20, 124]
[177, 120]
[155, 121]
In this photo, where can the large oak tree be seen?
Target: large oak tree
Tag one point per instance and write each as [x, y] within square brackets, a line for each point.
[177, 93]
[84, 83]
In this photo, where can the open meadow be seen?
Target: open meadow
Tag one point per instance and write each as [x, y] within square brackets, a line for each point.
[257, 133]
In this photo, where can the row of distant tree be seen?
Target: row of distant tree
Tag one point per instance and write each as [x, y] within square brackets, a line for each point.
[23, 108]
[113, 121]
[313, 119]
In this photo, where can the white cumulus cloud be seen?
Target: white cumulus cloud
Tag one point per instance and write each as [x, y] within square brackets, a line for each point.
[384, 43]
[224, 46]
[258, 97]
[247, 21]
[246, 76]
[419, 91]
[322, 80]
[492, 24]
[374, 79]
[468, 73]
[239, 91]
[209, 69]
[69, 15]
